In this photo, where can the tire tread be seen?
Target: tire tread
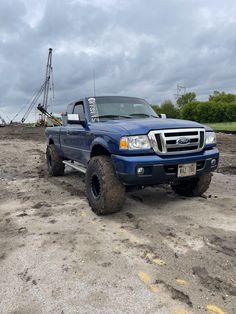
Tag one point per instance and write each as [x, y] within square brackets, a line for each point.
[193, 187]
[112, 192]
[57, 167]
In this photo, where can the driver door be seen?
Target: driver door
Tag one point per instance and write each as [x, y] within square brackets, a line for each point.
[77, 137]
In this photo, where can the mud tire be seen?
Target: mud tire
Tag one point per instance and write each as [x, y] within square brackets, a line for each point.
[105, 192]
[54, 162]
[194, 186]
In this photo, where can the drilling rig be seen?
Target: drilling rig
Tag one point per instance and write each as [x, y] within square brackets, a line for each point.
[44, 89]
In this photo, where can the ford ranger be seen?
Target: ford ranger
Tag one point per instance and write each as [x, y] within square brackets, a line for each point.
[121, 143]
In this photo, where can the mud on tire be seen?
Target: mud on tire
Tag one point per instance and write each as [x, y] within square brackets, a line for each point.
[194, 186]
[55, 164]
[106, 194]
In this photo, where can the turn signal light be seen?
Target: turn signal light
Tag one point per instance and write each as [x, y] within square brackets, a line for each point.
[124, 144]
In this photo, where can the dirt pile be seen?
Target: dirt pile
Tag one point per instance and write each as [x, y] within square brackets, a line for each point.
[162, 254]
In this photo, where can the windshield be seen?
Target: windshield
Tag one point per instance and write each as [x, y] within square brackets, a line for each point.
[113, 108]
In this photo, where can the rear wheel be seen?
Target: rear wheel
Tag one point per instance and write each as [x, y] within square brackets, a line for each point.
[106, 194]
[194, 186]
[55, 164]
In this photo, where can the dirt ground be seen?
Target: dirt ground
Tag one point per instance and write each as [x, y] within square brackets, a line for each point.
[162, 254]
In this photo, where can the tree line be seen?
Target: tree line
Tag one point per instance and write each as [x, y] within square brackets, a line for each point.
[220, 107]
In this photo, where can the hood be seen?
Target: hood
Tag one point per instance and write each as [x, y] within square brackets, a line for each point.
[143, 126]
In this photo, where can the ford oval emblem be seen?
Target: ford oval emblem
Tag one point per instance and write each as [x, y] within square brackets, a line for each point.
[183, 140]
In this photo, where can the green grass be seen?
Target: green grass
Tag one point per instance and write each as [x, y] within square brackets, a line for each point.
[223, 126]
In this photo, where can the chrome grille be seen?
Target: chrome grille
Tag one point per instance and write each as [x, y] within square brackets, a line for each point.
[177, 141]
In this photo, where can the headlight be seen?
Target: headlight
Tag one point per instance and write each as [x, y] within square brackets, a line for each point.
[210, 138]
[135, 142]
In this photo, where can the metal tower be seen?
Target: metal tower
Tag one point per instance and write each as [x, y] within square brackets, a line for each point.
[47, 79]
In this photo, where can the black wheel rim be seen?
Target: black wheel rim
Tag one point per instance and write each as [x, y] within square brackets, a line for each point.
[95, 186]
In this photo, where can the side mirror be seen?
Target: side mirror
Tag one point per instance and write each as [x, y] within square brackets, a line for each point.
[163, 116]
[74, 118]
[64, 118]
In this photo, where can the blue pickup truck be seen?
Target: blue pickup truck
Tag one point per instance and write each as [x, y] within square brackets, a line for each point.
[120, 143]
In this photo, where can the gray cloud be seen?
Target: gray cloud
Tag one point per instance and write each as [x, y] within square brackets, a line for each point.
[137, 47]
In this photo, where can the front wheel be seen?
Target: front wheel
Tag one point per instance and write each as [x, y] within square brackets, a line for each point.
[106, 194]
[194, 186]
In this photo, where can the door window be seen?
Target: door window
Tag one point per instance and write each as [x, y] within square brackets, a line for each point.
[79, 109]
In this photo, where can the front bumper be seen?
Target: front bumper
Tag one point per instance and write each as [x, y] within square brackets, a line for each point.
[159, 169]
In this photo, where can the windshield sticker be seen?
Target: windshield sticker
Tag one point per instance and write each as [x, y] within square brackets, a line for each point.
[93, 109]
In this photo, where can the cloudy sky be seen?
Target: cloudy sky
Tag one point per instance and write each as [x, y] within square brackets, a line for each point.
[137, 47]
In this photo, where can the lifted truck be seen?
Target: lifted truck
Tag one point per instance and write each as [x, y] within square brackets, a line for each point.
[120, 142]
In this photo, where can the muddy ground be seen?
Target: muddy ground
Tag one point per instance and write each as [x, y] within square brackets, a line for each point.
[162, 254]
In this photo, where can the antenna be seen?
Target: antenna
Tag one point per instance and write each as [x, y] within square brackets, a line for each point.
[94, 83]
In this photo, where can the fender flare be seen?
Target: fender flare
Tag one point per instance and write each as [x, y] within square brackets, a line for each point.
[99, 141]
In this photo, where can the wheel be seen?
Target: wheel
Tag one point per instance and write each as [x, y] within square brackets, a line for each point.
[55, 164]
[105, 193]
[194, 186]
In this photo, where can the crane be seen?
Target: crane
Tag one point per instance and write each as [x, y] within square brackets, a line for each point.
[44, 89]
[33, 102]
[54, 120]
[47, 79]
